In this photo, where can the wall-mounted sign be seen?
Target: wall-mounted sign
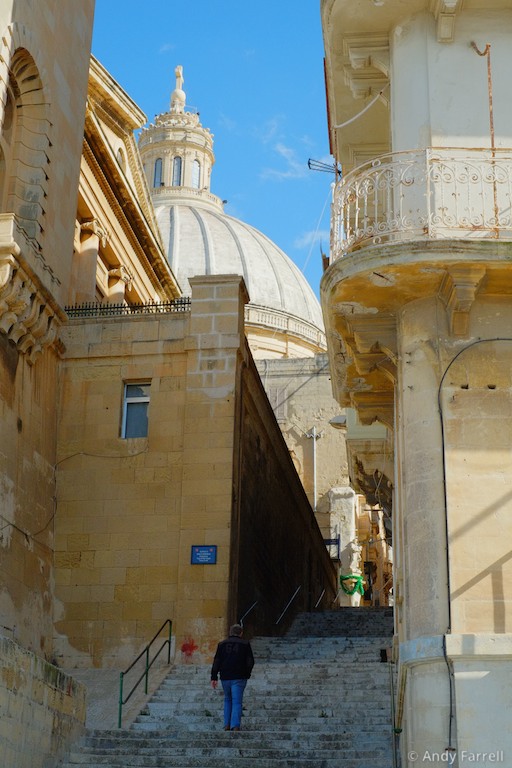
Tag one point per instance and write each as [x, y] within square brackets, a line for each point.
[204, 554]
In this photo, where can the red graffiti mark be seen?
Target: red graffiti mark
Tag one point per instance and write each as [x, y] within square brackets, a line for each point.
[189, 647]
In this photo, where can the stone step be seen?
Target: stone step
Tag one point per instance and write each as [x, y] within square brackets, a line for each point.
[302, 724]
[133, 741]
[314, 701]
[349, 761]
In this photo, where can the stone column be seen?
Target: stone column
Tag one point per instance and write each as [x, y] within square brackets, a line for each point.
[92, 234]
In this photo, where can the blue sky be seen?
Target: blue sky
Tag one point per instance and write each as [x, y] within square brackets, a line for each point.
[255, 72]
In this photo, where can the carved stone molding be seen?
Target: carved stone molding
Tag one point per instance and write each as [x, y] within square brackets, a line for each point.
[375, 406]
[25, 317]
[445, 13]
[95, 228]
[368, 70]
[373, 344]
[459, 289]
[121, 274]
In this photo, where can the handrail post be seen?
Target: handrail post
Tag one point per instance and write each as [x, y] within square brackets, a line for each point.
[147, 671]
[120, 713]
[169, 643]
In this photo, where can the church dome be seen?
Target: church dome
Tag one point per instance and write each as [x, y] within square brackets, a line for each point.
[205, 241]
[283, 317]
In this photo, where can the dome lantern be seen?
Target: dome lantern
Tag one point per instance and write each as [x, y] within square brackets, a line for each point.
[283, 317]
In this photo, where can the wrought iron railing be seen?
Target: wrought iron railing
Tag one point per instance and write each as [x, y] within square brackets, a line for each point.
[95, 309]
[421, 195]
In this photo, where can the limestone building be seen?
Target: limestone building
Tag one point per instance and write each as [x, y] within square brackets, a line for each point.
[417, 307]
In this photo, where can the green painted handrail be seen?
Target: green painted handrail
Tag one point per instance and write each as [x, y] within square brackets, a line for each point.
[148, 665]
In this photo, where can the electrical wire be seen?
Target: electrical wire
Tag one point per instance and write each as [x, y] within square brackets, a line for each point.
[365, 109]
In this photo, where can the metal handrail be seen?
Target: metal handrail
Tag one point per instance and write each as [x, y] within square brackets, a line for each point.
[320, 598]
[148, 666]
[241, 621]
[290, 601]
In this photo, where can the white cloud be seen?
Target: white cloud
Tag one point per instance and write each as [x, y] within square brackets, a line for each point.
[166, 47]
[294, 169]
[269, 130]
[308, 239]
[227, 122]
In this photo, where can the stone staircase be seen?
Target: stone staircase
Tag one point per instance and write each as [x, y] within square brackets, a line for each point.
[318, 698]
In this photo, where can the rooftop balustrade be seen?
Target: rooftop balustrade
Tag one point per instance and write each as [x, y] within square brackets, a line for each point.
[421, 195]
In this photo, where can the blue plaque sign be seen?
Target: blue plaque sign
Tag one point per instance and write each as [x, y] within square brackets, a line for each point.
[204, 554]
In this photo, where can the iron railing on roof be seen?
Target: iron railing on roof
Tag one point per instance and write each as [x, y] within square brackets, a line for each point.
[95, 309]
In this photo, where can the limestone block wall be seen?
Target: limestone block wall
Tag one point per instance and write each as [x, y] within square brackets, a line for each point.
[42, 710]
[27, 489]
[130, 510]
[44, 62]
[118, 500]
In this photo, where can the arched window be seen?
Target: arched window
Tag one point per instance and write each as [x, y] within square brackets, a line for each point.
[157, 176]
[196, 174]
[176, 172]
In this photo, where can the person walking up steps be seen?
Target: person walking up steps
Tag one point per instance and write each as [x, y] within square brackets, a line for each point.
[234, 661]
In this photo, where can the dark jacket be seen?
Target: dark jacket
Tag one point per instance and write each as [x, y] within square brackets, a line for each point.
[233, 659]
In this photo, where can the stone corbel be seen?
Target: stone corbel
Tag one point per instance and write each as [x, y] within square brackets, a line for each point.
[374, 344]
[458, 291]
[121, 274]
[445, 13]
[375, 406]
[25, 317]
[368, 71]
[95, 228]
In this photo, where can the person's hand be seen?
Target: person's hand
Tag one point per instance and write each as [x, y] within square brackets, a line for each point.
[214, 684]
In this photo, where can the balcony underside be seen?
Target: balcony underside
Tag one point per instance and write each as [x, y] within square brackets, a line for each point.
[363, 294]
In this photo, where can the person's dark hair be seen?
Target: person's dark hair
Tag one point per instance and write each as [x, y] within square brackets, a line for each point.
[236, 630]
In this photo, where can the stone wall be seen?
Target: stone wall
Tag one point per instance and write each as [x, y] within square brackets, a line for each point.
[42, 710]
[277, 544]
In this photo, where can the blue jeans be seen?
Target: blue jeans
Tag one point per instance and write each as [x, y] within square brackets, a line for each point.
[233, 695]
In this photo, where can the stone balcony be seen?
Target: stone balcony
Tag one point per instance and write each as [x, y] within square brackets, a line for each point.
[423, 195]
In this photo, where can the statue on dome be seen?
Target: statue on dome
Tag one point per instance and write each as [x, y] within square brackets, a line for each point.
[179, 77]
